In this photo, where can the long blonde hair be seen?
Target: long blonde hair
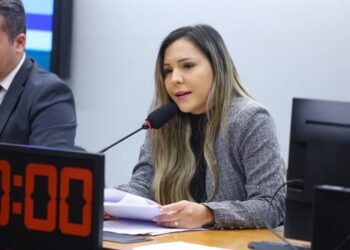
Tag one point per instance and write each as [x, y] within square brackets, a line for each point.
[174, 161]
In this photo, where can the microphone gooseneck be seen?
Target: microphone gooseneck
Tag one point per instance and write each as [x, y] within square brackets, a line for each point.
[155, 120]
[119, 141]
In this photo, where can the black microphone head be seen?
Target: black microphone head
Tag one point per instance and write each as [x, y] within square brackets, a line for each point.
[160, 116]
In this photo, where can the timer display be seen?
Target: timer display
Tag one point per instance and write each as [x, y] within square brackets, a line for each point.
[50, 199]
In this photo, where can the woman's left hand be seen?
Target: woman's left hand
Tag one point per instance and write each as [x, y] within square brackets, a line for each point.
[185, 214]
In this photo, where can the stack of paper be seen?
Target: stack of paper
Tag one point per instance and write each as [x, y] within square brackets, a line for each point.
[137, 227]
[125, 205]
[176, 246]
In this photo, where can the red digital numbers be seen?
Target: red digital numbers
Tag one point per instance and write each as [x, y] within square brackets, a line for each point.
[33, 170]
[67, 174]
[53, 217]
[5, 171]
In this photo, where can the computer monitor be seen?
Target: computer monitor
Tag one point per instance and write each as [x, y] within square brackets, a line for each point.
[50, 198]
[49, 29]
[319, 154]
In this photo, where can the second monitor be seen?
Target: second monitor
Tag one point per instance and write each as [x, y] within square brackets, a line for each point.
[319, 154]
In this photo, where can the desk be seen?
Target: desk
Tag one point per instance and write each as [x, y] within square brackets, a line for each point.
[230, 239]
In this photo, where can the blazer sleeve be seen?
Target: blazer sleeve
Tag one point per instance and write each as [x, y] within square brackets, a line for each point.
[142, 176]
[53, 117]
[254, 147]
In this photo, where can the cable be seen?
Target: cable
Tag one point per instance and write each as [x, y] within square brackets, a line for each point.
[341, 244]
[267, 224]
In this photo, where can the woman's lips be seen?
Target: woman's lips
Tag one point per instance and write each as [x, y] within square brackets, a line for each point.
[182, 95]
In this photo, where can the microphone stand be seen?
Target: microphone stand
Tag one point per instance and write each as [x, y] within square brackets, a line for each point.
[144, 126]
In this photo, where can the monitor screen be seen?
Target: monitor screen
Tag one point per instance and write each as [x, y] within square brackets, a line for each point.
[319, 154]
[49, 34]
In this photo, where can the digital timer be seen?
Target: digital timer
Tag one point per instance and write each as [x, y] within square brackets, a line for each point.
[50, 198]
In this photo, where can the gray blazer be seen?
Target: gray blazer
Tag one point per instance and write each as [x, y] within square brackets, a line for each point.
[249, 167]
[38, 109]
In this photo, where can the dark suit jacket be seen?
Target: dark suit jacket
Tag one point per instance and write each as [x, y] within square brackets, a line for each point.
[38, 109]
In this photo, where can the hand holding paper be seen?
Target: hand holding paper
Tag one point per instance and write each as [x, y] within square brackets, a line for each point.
[139, 210]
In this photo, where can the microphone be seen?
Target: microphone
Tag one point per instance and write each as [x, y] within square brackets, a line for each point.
[154, 120]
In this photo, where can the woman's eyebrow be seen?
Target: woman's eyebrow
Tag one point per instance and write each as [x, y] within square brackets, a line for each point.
[180, 60]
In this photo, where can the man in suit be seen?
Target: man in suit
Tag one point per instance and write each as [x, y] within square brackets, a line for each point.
[36, 107]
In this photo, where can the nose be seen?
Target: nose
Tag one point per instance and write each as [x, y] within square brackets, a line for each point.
[177, 77]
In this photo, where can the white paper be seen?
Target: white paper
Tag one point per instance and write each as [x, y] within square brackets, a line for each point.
[176, 246]
[125, 205]
[135, 227]
[134, 214]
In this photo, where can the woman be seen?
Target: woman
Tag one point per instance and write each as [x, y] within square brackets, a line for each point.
[217, 163]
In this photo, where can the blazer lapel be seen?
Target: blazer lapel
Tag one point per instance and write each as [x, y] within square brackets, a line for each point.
[14, 92]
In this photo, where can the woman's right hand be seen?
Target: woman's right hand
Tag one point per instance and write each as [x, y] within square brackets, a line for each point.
[108, 217]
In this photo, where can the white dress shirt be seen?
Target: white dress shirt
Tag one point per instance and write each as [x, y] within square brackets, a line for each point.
[6, 82]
